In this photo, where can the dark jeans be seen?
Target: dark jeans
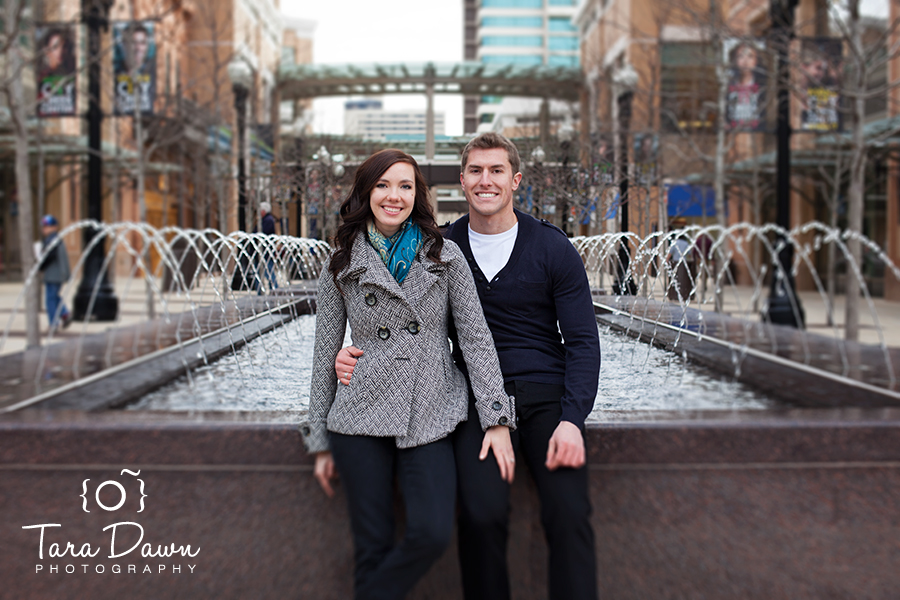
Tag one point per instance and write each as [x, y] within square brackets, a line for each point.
[52, 303]
[265, 266]
[427, 480]
[484, 504]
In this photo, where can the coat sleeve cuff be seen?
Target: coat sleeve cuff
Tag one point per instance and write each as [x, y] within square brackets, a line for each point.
[498, 412]
[315, 437]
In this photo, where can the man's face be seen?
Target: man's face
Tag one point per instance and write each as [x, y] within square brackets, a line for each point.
[489, 182]
[815, 71]
[139, 45]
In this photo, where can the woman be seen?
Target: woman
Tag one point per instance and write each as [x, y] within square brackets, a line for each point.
[746, 101]
[396, 281]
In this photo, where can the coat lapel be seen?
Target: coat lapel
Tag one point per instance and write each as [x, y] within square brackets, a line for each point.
[366, 264]
[369, 268]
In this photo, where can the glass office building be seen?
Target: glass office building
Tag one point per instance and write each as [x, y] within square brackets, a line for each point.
[520, 33]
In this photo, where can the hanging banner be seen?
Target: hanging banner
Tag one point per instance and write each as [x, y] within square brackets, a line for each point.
[646, 146]
[818, 79]
[604, 173]
[55, 73]
[746, 100]
[134, 67]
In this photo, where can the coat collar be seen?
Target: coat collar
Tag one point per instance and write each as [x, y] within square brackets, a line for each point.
[366, 265]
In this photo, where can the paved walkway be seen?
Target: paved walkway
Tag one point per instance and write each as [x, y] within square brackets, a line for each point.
[133, 309]
[738, 302]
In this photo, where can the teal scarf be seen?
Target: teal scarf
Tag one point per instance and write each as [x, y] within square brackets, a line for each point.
[399, 250]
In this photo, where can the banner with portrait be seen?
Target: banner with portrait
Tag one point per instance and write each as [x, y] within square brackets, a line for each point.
[646, 147]
[747, 77]
[818, 75]
[55, 70]
[134, 67]
[604, 170]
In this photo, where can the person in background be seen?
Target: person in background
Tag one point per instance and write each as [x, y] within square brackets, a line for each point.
[537, 302]
[266, 252]
[396, 281]
[681, 265]
[55, 269]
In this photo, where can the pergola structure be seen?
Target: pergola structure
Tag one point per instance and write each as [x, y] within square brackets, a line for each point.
[296, 82]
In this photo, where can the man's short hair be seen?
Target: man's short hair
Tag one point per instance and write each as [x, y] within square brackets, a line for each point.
[488, 141]
[265, 206]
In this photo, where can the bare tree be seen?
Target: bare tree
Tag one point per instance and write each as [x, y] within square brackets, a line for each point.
[11, 85]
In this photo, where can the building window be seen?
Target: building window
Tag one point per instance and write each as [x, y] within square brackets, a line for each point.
[513, 3]
[561, 24]
[528, 41]
[876, 85]
[689, 88]
[520, 60]
[287, 56]
[532, 22]
[556, 60]
[563, 43]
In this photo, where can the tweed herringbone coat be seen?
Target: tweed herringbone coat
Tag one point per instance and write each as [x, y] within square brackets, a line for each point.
[405, 385]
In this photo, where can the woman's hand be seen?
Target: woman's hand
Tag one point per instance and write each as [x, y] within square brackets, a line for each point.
[325, 472]
[344, 363]
[497, 438]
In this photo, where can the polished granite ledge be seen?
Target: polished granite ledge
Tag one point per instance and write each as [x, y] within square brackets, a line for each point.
[753, 505]
[270, 439]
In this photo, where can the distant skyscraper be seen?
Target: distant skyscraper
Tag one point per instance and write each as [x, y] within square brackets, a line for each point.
[518, 32]
[367, 119]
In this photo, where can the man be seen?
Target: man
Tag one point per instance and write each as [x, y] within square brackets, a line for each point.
[266, 251]
[55, 268]
[533, 287]
[681, 265]
[134, 67]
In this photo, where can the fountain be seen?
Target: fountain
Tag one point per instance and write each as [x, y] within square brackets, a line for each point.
[759, 499]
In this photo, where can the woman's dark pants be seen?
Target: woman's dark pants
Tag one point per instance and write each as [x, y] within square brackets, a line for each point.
[427, 479]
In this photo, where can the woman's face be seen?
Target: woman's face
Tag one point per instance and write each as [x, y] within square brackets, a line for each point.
[53, 52]
[393, 197]
[746, 58]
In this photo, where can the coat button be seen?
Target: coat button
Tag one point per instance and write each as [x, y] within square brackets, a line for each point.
[503, 420]
[496, 405]
[371, 299]
[305, 430]
[413, 327]
[384, 333]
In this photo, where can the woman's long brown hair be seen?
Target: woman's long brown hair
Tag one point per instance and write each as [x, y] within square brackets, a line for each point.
[356, 210]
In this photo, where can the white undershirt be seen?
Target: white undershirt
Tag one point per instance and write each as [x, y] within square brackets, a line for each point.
[492, 252]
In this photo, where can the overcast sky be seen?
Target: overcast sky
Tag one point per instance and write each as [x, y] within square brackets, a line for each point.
[399, 31]
[387, 32]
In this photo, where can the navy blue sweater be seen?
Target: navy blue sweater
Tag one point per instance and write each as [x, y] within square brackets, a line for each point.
[541, 292]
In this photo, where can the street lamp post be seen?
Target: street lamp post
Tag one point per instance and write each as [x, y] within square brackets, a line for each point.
[625, 80]
[537, 158]
[566, 134]
[331, 169]
[95, 298]
[241, 79]
[783, 307]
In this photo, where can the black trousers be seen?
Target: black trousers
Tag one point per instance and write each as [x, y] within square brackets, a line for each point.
[484, 504]
[385, 570]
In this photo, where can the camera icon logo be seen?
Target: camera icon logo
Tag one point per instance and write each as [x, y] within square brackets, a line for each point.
[113, 483]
